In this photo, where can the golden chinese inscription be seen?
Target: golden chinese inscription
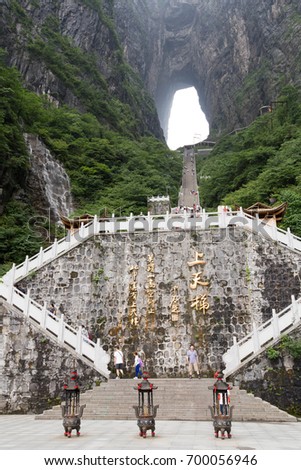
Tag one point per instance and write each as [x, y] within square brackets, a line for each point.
[197, 281]
[132, 299]
[150, 264]
[198, 259]
[199, 302]
[174, 304]
[150, 292]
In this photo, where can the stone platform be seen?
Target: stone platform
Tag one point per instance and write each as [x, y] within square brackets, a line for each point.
[178, 399]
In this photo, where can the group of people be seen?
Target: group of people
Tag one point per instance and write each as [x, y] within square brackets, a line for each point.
[119, 364]
[191, 358]
[194, 210]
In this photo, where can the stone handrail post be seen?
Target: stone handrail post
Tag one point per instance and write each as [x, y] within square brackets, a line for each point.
[44, 314]
[27, 303]
[61, 330]
[82, 231]
[150, 222]
[79, 340]
[101, 358]
[40, 256]
[290, 238]
[95, 225]
[236, 350]
[54, 248]
[166, 223]
[222, 218]
[26, 262]
[255, 338]
[10, 293]
[275, 324]
[13, 274]
[294, 309]
[97, 353]
[204, 218]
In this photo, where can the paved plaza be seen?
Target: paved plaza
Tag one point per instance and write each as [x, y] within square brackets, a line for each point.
[23, 432]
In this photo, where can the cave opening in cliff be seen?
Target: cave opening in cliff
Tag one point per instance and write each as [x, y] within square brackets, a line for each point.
[187, 122]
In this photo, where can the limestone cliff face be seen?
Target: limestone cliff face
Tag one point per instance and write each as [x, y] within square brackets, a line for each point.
[137, 289]
[40, 368]
[238, 54]
[48, 185]
[86, 25]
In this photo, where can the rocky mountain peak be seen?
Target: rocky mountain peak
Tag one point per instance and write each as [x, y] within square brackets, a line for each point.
[238, 54]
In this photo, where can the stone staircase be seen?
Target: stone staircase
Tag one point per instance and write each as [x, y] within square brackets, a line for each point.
[178, 399]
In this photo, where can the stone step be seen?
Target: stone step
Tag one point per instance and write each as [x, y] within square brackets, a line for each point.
[178, 399]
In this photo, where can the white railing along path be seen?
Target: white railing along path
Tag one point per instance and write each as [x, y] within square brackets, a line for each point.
[150, 224]
[262, 336]
[57, 329]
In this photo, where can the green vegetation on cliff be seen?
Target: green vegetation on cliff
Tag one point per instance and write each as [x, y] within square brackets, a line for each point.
[105, 138]
[260, 163]
[104, 85]
[108, 170]
[107, 142]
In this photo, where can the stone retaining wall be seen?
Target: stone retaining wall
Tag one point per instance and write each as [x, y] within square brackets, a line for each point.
[33, 368]
[277, 381]
[137, 290]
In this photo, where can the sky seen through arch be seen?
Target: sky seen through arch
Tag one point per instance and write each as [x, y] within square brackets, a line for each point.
[187, 123]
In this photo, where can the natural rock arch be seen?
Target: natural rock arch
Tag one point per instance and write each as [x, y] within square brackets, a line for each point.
[238, 54]
[232, 51]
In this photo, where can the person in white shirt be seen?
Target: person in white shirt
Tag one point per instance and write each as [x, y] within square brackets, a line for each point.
[118, 361]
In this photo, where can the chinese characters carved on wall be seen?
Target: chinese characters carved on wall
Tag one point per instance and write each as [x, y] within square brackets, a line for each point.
[198, 302]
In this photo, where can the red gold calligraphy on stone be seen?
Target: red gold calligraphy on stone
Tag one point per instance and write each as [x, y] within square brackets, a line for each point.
[150, 292]
[174, 304]
[200, 303]
[132, 299]
[197, 281]
[197, 260]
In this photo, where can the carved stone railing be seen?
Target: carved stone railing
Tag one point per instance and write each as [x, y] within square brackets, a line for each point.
[56, 328]
[262, 337]
[150, 224]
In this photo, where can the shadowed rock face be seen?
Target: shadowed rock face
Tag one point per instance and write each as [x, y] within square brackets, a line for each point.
[48, 185]
[238, 54]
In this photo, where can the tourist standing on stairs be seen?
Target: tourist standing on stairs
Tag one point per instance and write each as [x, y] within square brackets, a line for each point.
[52, 308]
[85, 333]
[193, 362]
[118, 362]
[137, 364]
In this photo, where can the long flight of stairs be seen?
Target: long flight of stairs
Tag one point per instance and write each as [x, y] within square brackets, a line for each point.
[178, 399]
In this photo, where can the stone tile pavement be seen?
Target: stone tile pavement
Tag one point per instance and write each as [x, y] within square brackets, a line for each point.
[23, 432]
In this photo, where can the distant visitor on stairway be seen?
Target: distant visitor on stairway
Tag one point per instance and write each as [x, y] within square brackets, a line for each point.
[52, 308]
[85, 333]
[193, 362]
[138, 364]
[118, 361]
